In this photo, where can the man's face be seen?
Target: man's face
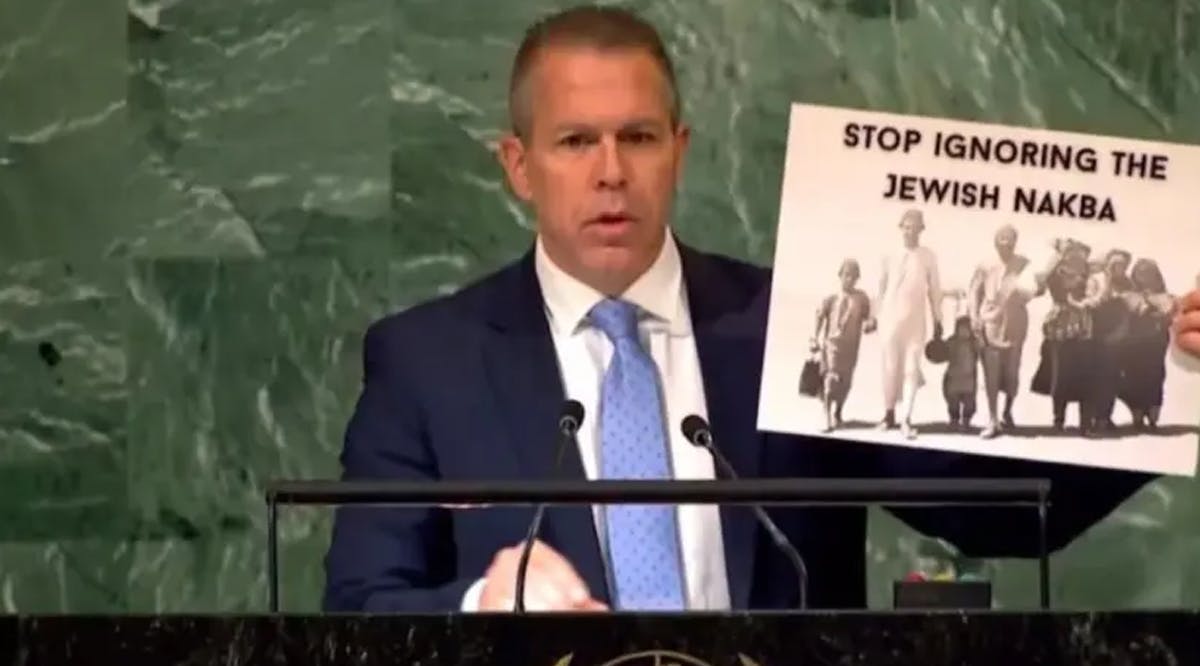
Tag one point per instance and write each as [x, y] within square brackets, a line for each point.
[600, 161]
[910, 229]
[849, 278]
[1006, 242]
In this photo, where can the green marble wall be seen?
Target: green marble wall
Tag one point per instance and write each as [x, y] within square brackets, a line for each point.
[202, 204]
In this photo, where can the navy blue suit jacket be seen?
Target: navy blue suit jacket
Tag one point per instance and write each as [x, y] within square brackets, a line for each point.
[467, 387]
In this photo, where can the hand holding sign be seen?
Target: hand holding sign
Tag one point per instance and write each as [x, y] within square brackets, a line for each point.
[1187, 324]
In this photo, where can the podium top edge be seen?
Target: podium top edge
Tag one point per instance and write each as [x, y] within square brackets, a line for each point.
[796, 491]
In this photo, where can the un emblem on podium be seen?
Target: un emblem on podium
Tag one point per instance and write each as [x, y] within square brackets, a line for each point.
[659, 658]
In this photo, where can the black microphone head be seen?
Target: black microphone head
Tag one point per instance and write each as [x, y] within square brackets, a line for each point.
[695, 429]
[570, 416]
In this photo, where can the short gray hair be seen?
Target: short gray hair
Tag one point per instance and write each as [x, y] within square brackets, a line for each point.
[602, 28]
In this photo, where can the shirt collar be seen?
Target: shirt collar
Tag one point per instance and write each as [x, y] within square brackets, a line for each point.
[658, 292]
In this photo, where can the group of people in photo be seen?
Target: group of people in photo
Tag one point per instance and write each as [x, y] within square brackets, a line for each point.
[1104, 337]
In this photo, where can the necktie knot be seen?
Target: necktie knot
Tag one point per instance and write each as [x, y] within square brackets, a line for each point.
[617, 319]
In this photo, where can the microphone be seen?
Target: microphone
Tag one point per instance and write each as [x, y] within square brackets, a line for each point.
[696, 430]
[570, 416]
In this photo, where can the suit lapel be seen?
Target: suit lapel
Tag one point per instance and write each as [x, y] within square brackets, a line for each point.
[521, 365]
[729, 345]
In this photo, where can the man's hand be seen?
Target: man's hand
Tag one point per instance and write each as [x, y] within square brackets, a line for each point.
[551, 583]
[1187, 323]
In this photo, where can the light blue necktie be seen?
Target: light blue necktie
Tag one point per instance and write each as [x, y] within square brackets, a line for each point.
[643, 541]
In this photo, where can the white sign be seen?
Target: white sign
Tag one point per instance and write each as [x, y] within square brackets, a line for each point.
[983, 288]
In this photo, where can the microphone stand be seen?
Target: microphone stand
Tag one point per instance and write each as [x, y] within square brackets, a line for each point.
[696, 430]
[568, 425]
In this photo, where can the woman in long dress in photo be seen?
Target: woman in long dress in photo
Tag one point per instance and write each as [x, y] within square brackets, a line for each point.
[1143, 358]
[1065, 370]
[1108, 300]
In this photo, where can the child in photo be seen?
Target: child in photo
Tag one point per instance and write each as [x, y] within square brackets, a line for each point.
[960, 384]
[842, 319]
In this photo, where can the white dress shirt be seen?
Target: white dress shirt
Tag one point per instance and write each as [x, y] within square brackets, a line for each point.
[584, 352]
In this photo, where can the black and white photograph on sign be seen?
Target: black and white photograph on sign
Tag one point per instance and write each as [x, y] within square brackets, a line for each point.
[983, 288]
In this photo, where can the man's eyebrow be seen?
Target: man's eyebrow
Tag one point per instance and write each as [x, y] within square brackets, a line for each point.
[642, 124]
[566, 128]
[635, 124]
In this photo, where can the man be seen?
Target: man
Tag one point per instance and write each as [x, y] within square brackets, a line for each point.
[997, 299]
[909, 287]
[608, 309]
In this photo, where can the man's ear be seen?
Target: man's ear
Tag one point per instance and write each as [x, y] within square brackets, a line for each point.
[512, 157]
[683, 136]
